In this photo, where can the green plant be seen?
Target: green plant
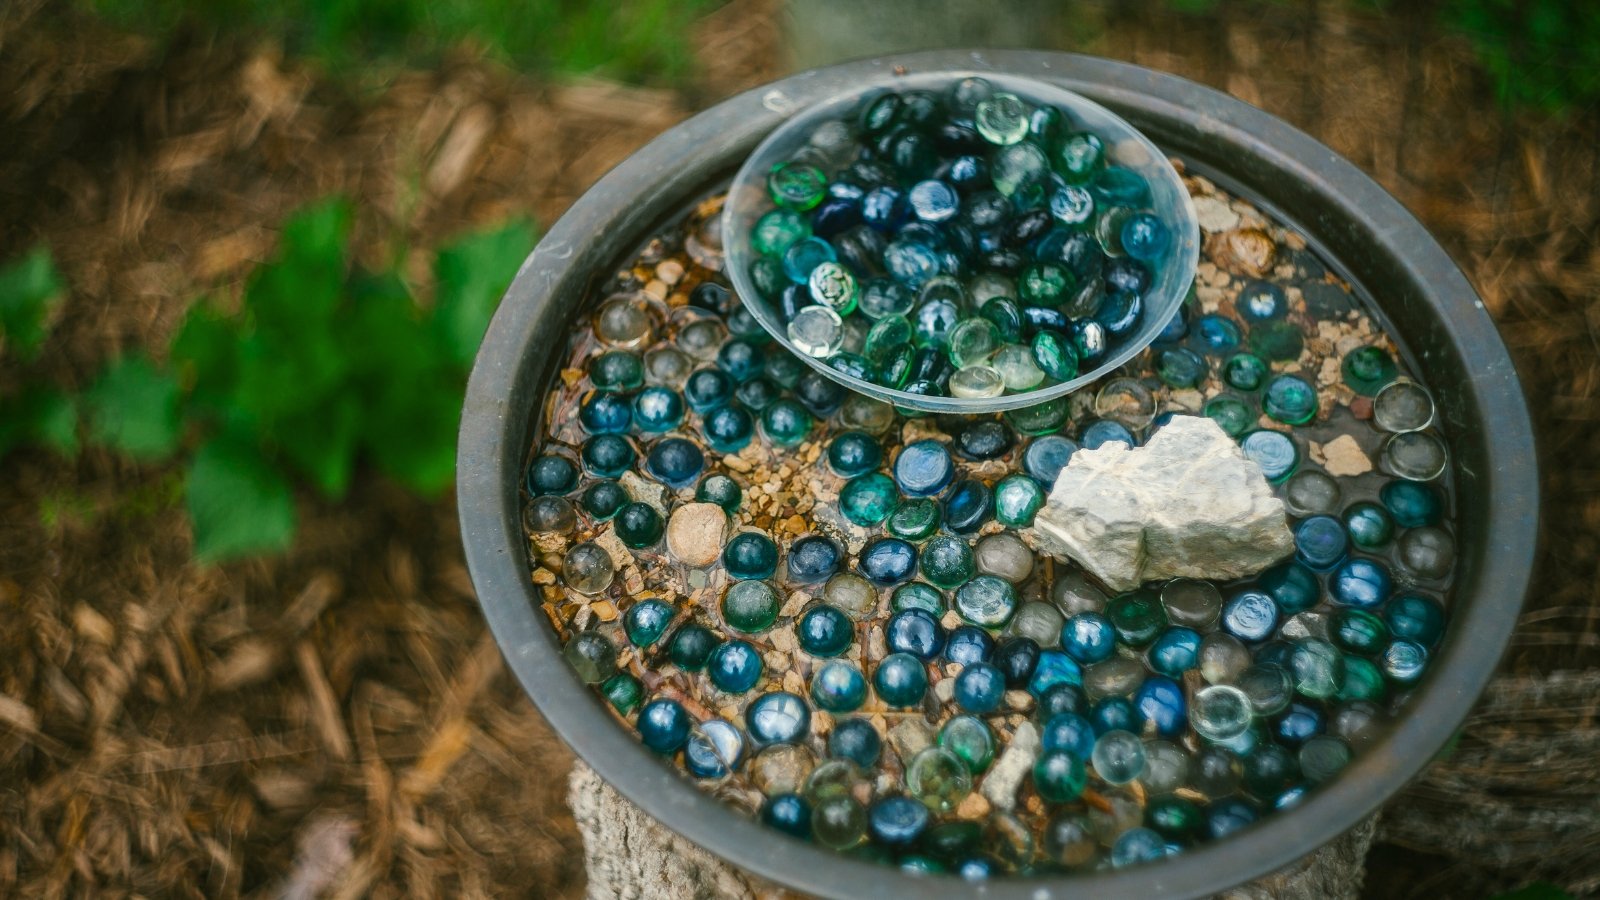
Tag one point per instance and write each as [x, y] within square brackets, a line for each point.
[324, 365]
[31, 290]
[1539, 54]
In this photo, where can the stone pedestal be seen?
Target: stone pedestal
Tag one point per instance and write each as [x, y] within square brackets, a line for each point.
[629, 856]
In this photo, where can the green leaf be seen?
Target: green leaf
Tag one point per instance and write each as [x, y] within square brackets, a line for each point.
[239, 505]
[134, 408]
[300, 290]
[321, 443]
[1538, 890]
[472, 275]
[30, 291]
[205, 355]
[43, 416]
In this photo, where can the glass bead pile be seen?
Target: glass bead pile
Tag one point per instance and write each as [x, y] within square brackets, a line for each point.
[868, 653]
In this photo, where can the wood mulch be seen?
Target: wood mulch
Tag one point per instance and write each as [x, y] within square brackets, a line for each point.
[337, 721]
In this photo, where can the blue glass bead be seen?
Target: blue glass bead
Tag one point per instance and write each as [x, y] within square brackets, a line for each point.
[777, 718]
[888, 561]
[1017, 659]
[969, 504]
[741, 360]
[1089, 638]
[1362, 583]
[1104, 431]
[1069, 732]
[549, 474]
[785, 423]
[1274, 451]
[750, 555]
[1299, 723]
[897, 821]
[900, 680]
[707, 389]
[690, 647]
[675, 462]
[968, 173]
[663, 726]
[1054, 668]
[835, 215]
[1120, 313]
[1072, 206]
[714, 750]
[1159, 702]
[1112, 714]
[1046, 456]
[1369, 524]
[804, 256]
[1217, 334]
[853, 453]
[1042, 318]
[646, 621]
[1250, 615]
[729, 429]
[923, 468]
[885, 208]
[1412, 503]
[867, 500]
[1416, 618]
[789, 813]
[1176, 651]
[1090, 339]
[1180, 367]
[1290, 399]
[1144, 236]
[857, 741]
[813, 558]
[1292, 585]
[639, 525]
[1227, 816]
[1137, 845]
[604, 498]
[605, 414]
[1059, 776]
[1403, 662]
[910, 263]
[967, 645]
[825, 631]
[979, 688]
[1063, 698]
[657, 409]
[915, 631]
[934, 201]
[1260, 301]
[1321, 542]
[839, 687]
[735, 667]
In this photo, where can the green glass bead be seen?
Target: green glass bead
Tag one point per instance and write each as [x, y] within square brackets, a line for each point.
[984, 600]
[887, 336]
[1048, 417]
[1362, 681]
[1059, 776]
[1369, 524]
[1138, 617]
[969, 738]
[721, 490]
[1001, 119]
[853, 365]
[1006, 316]
[1019, 171]
[1317, 667]
[917, 595]
[839, 823]
[1017, 499]
[1079, 157]
[624, 691]
[1174, 818]
[832, 285]
[868, 499]
[1017, 367]
[785, 423]
[1055, 355]
[1180, 367]
[1359, 631]
[750, 606]
[1277, 340]
[617, 370]
[895, 370]
[973, 342]
[639, 525]
[1368, 369]
[947, 561]
[777, 231]
[768, 277]
[1323, 757]
[1290, 399]
[795, 185]
[592, 656]
[915, 519]
[1044, 284]
[939, 778]
[1231, 413]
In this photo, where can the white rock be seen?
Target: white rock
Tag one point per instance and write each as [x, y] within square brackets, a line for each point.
[1188, 503]
[999, 787]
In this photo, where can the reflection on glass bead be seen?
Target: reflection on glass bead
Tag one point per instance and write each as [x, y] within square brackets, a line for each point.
[1416, 455]
[1403, 406]
[1118, 757]
[1362, 583]
[777, 718]
[816, 331]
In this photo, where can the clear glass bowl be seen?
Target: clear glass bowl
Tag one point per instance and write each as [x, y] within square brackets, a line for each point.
[1124, 146]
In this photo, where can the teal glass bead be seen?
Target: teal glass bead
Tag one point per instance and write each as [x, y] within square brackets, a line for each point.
[768, 277]
[854, 366]
[1369, 524]
[1175, 818]
[777, 231]
[1079, 157]
[868, 499]
[1275, 452]
[803, 257]
[797, 186]
[1362, 681]
[1055, 355]
[1323, 757]
[617, 370]
[825, 631]
[1277, 341]
[657, 409]
[1245, 371]
[592, 656]
[853, 453]
[624, 692]
[886, 338]
[608, 455]
[663, 726]
[1231, 415]
[1120, 186]
[1317, 667]
[734, 667]
[923, 468]
[969, 738]
[915, 520]
[1403, 662]
[1006, 316]
[1293, 586]
[1368, 370]
[1118, 756]
[1137, 616]
[1053, 669]
[1413, 504]
[1145, 237]
[721, 490]
[785, 423]
[750, 606]
[1416, 618]
[917, 595]
[778, 717]
[1268, 771]
[646, 621]
[1059, 776]
[1217, 334]
[1175, 651]
[690, 647]
[750, 555]
[1180, 367]
[604, 498]
[639, 525]
[900, 680]
[1358, 631]
[1017, 499]
[1290, 399]
[839, 687]
[984, 599]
